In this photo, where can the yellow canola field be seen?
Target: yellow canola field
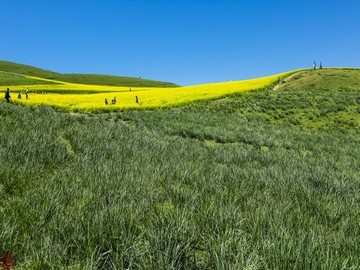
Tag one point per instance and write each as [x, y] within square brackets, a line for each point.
[147, 97]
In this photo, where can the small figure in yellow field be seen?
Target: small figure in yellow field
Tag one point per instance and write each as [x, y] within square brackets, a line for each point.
[106, 101]
[7, 95]
[136, 99]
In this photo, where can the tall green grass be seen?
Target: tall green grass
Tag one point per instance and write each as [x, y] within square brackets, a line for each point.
[216, 185]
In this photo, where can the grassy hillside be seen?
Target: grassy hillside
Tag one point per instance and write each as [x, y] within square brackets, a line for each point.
[79, 78]
[12, 79]
[334, 78]
[309, 86]
[265, 179]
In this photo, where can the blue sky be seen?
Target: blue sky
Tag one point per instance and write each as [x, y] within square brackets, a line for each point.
[186, 42]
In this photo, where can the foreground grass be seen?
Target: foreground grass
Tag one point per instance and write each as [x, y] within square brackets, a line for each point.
[245, 182]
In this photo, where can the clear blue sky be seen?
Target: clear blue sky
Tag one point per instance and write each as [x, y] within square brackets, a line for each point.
[186, 42]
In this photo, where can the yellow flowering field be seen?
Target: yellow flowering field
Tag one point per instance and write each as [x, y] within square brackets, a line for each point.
[147, 97]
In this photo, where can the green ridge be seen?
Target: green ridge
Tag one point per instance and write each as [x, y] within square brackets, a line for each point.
[15, 70]
[332, 78]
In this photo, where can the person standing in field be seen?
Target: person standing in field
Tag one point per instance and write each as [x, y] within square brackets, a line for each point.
[106, 101]
[136, 99]
[7, 95]
[314, 65]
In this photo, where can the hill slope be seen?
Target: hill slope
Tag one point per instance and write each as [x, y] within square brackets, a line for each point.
[96, 79]
[307, 85]
[332, 78]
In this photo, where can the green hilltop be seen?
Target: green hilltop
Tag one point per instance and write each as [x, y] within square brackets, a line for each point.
[332, 78]
[14, 74]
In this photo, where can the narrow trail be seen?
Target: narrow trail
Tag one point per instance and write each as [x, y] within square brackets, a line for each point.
[285, 81]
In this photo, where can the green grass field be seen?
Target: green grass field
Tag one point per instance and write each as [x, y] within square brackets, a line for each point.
[265, 179]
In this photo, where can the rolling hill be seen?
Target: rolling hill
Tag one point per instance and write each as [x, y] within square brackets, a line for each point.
[89, 96]
[17, 70]
[330, 78]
